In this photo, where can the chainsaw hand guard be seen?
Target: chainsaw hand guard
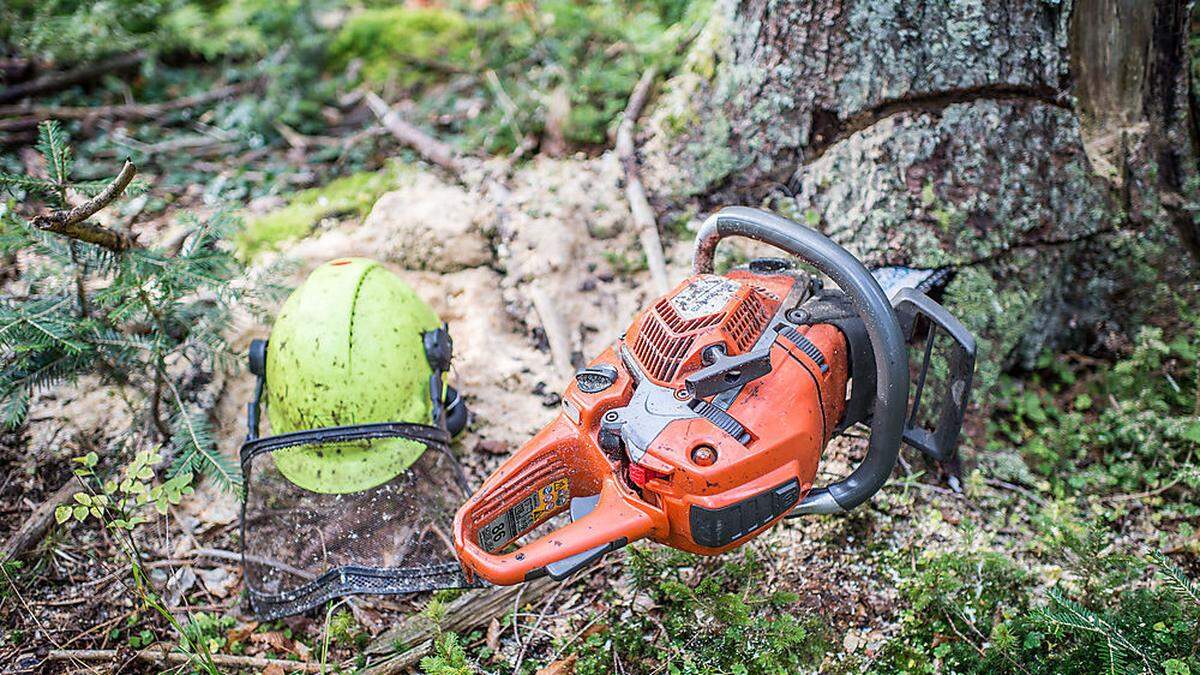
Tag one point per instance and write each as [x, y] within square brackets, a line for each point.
[918, 314]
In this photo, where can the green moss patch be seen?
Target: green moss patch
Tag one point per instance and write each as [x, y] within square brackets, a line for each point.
[413, 46]
[352, 195]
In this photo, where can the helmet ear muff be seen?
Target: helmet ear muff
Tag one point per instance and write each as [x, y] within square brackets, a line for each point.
[456, 412]
[258, 368]
[439, 348]
[449, 410]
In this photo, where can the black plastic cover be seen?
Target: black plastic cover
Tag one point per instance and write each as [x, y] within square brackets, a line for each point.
[715, 528]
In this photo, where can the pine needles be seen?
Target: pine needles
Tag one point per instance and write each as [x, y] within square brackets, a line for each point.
[140, 318]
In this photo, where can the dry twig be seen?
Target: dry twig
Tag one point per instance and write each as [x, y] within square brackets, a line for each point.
[161, 656]
[57, 81]
[425, 145]
[639, 205]
[73, 222]
[30, 532]
[555, 328]
[28, 117]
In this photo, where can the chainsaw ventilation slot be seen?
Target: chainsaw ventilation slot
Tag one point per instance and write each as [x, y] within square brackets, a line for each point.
[302, 548]
[746, 322]
[664, 338]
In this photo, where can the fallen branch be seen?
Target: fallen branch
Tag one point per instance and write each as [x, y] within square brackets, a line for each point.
[471, 609]
[57, 81]
[157, 656]
[639, 206]
[404, 662]
[35, 526]
[555, 328]
[425, 145]
[29, 117]
[73, 223]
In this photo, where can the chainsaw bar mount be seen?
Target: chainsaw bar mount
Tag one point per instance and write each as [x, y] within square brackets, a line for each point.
[705, 422]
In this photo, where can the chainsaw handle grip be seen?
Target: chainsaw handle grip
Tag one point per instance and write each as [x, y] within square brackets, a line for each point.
[871, 303]
[611, 524]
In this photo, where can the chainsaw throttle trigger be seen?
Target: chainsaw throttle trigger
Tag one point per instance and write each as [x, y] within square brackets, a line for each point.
[580, 507]
[728, 372]
[920, 315]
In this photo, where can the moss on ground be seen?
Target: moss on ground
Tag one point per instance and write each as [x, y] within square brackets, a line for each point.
[413, 46]
[350, 196]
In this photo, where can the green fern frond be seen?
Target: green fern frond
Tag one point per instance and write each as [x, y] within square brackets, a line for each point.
[196, 452]
[1185, 588]
[40, 325]
[34, 371]
[1119, 649]
[56, 151]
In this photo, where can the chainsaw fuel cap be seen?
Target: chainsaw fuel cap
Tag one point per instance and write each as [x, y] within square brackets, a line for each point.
[595, 379]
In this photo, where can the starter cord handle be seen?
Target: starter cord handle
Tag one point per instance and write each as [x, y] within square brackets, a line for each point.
[869, 300]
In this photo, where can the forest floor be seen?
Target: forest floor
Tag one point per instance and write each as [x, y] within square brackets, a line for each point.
[502, 249]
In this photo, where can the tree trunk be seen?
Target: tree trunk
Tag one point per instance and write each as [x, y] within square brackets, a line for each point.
[1014, 142]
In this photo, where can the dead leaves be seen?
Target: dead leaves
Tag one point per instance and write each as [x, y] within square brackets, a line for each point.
[561, 667]
[280, 644]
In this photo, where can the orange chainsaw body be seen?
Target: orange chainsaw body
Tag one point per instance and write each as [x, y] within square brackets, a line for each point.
[638, 451]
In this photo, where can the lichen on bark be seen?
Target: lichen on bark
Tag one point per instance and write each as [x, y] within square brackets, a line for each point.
[928, 134]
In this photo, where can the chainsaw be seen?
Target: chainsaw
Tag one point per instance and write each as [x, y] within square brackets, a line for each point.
[704, 423]
[699, 428]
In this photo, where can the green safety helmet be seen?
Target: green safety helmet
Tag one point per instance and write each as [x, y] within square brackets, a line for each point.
[353, 346]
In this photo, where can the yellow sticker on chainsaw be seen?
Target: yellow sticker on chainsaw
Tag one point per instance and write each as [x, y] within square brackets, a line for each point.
[525, 515]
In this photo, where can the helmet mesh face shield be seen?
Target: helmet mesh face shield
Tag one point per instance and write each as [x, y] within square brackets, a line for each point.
[302, 547]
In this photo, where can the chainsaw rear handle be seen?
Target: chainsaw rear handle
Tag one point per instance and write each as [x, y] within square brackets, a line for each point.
[611, 524]
[871, 303]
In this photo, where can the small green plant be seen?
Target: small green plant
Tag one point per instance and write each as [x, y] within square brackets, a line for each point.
[1126, 428]
[209, 630]
[119, 502]
[448, 657]
[979, 613]
[624, 264]
[719, 621]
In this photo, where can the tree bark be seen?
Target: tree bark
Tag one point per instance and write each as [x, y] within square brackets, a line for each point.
[1010, 141]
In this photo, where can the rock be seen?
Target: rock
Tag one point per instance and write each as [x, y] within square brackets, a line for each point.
[430, 225]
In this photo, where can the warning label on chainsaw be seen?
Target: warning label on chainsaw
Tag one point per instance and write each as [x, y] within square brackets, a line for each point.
[704, 296]
[526, 514]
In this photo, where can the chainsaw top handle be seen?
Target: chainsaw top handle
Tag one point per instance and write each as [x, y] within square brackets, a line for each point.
[869, 300]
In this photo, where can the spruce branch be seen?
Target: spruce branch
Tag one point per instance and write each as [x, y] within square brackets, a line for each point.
[72, 223]
[1176, 578]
